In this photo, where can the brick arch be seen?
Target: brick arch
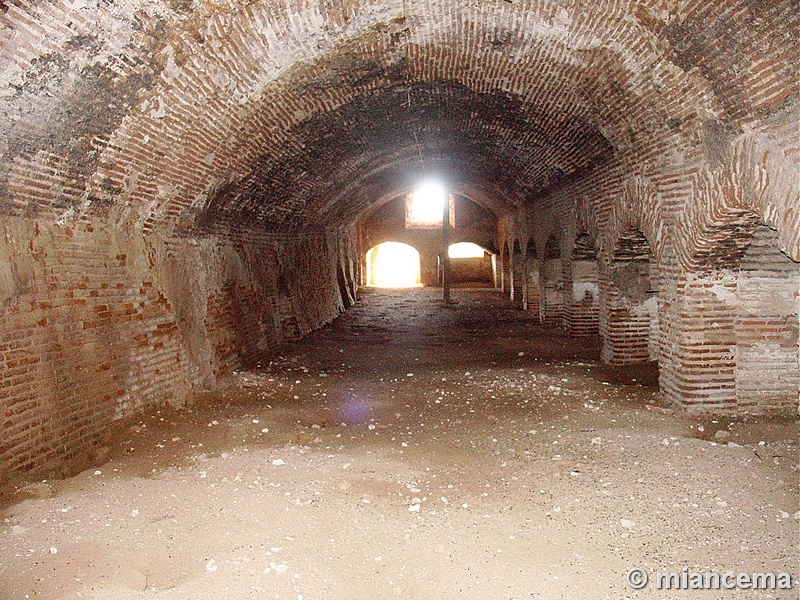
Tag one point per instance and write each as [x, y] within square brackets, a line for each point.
[553, 247]
[365, 253]
[530, 247]
[632, 244]
[716, 226]
[583, 220]
[478, 196]
[221, 145]
[584, 246]
[518, 229]
[488, 248]
[546, 225]
[389, 238]
[636, 208]
[769, 184]
[585, 217]
[757, 185]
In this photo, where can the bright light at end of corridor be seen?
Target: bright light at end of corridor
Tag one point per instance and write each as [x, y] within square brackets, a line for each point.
[465, 250]
[392, 264]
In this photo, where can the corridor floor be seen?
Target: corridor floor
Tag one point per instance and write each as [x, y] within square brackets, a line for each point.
[415, 450]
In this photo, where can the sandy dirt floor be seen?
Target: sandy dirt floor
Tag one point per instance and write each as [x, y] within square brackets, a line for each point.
[415, 450]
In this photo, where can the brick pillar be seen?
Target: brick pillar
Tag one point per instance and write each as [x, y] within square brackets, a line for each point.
[730, 336]
[531, 291]
[766, 328]
[517, 279]
[582, 299]
[551, 307]
[429, 267]
[505, 279]
[628, 314]
[698, 367]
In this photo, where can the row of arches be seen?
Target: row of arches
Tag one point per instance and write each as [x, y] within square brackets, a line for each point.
[559, 291]
[724, 338]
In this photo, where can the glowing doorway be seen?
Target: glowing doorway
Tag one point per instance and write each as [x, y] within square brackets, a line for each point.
[465, 250]
[393, 264]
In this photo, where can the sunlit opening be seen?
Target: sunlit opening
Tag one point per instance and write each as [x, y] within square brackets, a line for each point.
[424, 207]
[465, 250]
[392, 264]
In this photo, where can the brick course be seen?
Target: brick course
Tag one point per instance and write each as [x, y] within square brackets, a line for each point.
[183, 189]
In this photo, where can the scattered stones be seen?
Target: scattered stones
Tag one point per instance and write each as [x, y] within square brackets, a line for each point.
[277, 568]
[484, 478]
[722, 435]
[41, 489]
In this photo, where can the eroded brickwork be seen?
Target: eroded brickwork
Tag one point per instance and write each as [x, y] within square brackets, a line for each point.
[88, 336]
[183, 185]
[96, 325]
[765, 325]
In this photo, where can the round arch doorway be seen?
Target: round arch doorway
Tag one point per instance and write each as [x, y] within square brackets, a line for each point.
[393, 264]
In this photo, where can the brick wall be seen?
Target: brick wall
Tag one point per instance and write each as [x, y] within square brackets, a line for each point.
[518, 276]
[551, 284]
[386, 223]
[721, 320]
[582, 298]
[96, 325]
[698, 360]
[88, 337]
[177, 186]
[531, 291]
[472, 271]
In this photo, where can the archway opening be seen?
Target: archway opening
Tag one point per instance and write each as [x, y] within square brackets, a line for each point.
[581, 290]
[465, 250]
[393, 264]
[531, 286]
[470, 265]
[551, 301]
[629, 321]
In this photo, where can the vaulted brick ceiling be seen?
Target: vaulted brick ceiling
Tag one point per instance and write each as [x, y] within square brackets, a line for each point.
[287, 115]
